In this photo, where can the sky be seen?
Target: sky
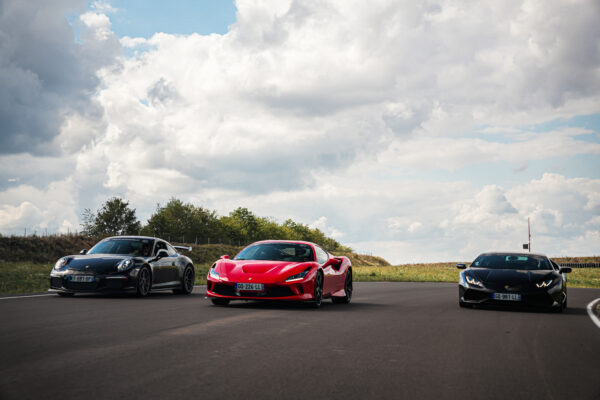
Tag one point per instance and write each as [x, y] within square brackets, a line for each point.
[417, 131]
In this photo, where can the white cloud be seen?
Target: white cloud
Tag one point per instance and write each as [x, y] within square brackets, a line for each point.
[331, 112]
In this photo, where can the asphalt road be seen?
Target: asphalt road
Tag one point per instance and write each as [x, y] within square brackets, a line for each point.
[396, 340]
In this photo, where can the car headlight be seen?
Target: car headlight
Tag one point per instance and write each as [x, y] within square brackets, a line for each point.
[213, 274]
[126, 264]
[473, 281]
[299, 276]
[61, 263]
[544, 284]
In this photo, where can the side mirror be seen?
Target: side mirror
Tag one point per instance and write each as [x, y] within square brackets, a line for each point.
[461, 266]
[162, 254]
[565, 270]
[225, 257]
[83, 251]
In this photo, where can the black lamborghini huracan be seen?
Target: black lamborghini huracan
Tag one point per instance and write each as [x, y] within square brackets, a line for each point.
[513, 279]
[124, 263]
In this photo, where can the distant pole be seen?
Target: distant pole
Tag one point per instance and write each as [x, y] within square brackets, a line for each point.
[529, 234]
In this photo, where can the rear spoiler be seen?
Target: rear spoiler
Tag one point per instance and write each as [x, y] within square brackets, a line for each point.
[188, 248]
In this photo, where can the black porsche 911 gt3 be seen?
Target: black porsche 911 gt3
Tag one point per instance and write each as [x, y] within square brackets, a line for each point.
[124, 263]
[515, 279]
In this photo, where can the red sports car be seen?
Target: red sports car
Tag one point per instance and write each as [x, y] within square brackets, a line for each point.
[281, 270]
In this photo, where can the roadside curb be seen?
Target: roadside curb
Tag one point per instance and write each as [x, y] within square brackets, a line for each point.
[592, 310]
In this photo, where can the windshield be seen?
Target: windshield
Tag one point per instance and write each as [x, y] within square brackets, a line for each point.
[512, 261]
[131, 247]
[295, 252]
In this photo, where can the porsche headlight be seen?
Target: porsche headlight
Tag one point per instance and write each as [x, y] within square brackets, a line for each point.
[473, 281]
[213, 274]
[544, 284]
[126, 264]
[299, 276]
[61, 263]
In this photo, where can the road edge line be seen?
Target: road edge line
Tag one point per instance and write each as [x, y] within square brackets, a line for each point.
[24, 297]
[593, 316]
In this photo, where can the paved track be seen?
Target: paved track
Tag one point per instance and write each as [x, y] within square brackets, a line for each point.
[396, 340]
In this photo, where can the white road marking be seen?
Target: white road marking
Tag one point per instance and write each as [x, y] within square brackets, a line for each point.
[591, 313]
[25, 297]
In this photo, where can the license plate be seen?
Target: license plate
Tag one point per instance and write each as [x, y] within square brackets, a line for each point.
[256, 287]
[82, 278]
[506, 296]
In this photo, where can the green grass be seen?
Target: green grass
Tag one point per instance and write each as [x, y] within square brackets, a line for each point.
[29, 277]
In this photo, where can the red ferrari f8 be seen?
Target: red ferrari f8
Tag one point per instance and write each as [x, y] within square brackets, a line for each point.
[281, 270]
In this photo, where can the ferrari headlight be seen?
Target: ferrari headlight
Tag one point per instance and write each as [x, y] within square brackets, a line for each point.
[473, 281]
[61, 263]
[299, 276]
[213, 274]
[544, 283]
[126, 264]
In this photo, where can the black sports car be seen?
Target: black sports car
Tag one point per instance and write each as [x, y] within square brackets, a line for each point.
[134, 263]
[514, 279]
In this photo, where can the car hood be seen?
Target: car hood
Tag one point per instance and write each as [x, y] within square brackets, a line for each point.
[97, 263]
[511, 276]
[259, 270]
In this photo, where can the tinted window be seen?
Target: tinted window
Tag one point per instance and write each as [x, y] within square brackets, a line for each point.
[160, 246]
[277, 252]
[171, 250]
[132, 247]
[322, 255]
[512, 261]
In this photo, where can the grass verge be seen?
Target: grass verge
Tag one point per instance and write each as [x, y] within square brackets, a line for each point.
[28, 277]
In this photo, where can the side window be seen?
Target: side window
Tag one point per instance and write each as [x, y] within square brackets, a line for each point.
[555, 265]
[322, 256]
[159, 246]
[171, 250]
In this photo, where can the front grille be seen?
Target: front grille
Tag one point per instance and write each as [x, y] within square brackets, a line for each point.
[476, 295]
[537, 299]
[273, 291]
[81, 285]
[56, 283]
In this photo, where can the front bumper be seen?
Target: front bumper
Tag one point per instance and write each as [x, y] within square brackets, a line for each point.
[552, 297]
[287, 291]
[63, 282]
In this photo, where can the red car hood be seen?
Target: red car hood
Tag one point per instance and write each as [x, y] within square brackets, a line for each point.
[260, 271]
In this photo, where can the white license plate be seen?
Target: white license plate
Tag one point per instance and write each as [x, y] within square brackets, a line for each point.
[506, 296]
[256, 287]
[82, 278]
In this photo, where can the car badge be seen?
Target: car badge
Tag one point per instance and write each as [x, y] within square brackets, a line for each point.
[87, 267]
[506, 287]
[249, 279]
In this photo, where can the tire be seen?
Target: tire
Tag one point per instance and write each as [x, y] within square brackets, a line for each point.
[65, 294]
[144, 282]
[219, 301]
[318, 291]
[187, 282]
[347, 289]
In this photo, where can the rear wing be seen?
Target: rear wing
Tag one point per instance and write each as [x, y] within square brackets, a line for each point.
[188, 248]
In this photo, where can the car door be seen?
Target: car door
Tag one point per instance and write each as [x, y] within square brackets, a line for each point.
[159, 267]
[329, 274]
[172, 266]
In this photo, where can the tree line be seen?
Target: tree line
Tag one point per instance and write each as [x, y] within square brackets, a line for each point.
[178, 220]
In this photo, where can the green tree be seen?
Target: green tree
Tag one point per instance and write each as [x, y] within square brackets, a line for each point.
[115, 217]
[183, 222]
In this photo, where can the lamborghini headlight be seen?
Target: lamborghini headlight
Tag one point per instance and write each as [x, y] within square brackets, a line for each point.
[544, 284]
[61, 263]
[299, 276]
[126, 264]
[473, 281]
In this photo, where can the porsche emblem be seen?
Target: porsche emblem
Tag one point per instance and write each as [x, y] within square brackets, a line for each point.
[249, 279]
[87, 267]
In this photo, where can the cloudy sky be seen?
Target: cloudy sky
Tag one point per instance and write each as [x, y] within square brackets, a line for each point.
[418, 131]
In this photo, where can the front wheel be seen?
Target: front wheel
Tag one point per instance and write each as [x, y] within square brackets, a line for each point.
[347, 290]
[144, 282]
[318, 291]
